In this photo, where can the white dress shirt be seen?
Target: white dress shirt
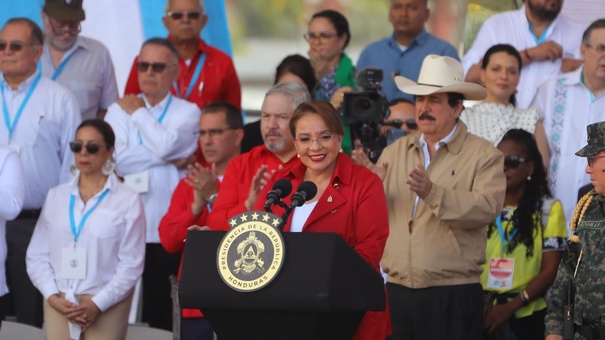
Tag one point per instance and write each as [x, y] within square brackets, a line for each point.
[88, 74]
[568, 107]
[113, 237]
[11, 200]
[513, 28]
[143, 143]
[42, 134]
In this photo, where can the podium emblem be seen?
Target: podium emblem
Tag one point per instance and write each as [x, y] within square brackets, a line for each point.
[251, 254]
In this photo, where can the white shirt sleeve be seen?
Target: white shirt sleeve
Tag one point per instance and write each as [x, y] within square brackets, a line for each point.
[485, 39]
[12, 187]
[72, 119]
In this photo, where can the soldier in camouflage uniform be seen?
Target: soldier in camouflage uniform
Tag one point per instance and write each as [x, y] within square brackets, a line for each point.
[584, 262]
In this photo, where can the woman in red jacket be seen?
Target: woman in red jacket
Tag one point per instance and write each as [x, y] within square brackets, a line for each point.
[350, 200]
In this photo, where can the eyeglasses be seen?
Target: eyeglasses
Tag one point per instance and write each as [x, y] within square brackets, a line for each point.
[591, 160]
[322, 140]
[92, 147]
[513, 161]
[598, 48]
[14, 46]
[72, 27]
[178, 15]
[398, 123]
[323, 37]
[143, 66]
[212, 132]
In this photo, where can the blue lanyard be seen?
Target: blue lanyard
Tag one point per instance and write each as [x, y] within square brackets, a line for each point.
[192, 81]
[11, 126]
[503, 238]
[72, 221]
[542, 38]
[160, 118]
[62, 66]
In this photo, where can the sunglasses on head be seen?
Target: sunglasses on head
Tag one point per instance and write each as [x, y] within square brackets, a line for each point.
[143, 66]
[14, 46]
[398, 123]
[92, 147]
[178, 15]
[513, 161]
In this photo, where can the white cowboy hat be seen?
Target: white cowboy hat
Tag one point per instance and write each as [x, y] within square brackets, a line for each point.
[440, 74]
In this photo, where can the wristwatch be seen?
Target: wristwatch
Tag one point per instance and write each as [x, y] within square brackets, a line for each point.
[212, 198]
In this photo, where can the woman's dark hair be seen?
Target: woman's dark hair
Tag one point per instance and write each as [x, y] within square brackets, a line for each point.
[509, 50]
[300, 67]
[322, 108]
[338, 20]
[109, 138]
[525, 218]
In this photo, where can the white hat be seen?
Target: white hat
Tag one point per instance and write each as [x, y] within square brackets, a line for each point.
[440, 74]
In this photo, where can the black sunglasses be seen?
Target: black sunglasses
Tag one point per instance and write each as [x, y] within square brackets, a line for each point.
[398, 123]
[14, 46]
[92, 147]
[513, 161]
[143, 66]
[178, 15]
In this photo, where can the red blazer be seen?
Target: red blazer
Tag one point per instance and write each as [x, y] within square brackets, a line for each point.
[353, 206]
[174, 227]
[218, 74]
[236, 184]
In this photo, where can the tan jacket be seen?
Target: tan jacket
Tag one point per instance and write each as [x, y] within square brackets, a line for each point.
[448, 236]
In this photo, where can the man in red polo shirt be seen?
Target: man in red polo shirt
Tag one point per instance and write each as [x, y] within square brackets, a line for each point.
[220, 135]
[207, 74]
[246, 174]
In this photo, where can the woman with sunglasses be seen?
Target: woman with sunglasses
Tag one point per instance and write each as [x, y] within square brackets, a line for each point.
[524, 244]
[350, 200]
[492, 118]
[88, 247]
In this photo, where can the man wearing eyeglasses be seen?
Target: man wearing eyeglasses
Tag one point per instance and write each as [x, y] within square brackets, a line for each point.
[402, 53]
[155, 137]
[248, 173]
[40, 118]
[402, 117]
[81, 64]
[569, 103]
[220, 135]
[207, 74]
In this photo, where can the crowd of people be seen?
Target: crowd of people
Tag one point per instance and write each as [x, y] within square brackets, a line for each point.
[466, 216]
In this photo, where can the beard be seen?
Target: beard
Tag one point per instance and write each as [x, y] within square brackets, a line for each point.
[542, 12]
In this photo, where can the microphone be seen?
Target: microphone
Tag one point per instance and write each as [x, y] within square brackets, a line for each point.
[281, 189]
[306, 191]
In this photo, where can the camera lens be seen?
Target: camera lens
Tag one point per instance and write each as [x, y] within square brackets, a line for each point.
[364, 104]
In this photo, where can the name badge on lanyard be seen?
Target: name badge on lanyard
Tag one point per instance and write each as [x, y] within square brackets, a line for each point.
[73, 259]
[501, 273]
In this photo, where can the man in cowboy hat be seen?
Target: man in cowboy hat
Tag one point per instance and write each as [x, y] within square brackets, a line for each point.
[443, 186]
[583, 262]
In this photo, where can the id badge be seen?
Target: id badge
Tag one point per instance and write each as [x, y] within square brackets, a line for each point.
[73, 263]
[15, 147]
[138, 182]
[501, 272]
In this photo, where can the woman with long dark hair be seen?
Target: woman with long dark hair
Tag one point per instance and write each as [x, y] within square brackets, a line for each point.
[524, 244]
[497, 113]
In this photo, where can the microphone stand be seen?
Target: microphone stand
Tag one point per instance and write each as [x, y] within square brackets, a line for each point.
[284, 217]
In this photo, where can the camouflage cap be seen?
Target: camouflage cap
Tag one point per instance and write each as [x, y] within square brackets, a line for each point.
[64, 10]
[596, 140]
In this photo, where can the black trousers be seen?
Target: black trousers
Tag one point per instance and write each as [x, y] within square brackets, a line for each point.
[157, 303]
[196, 329]
[24, 297]
[436, 313]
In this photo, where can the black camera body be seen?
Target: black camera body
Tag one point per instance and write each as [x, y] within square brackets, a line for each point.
[364, 111]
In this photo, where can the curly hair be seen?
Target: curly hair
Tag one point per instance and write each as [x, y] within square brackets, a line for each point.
[536, 190]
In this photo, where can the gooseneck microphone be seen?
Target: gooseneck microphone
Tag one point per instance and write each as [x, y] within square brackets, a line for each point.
[306, 191]
[281, 189]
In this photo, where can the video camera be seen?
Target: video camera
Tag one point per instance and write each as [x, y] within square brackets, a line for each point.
[364, 111]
